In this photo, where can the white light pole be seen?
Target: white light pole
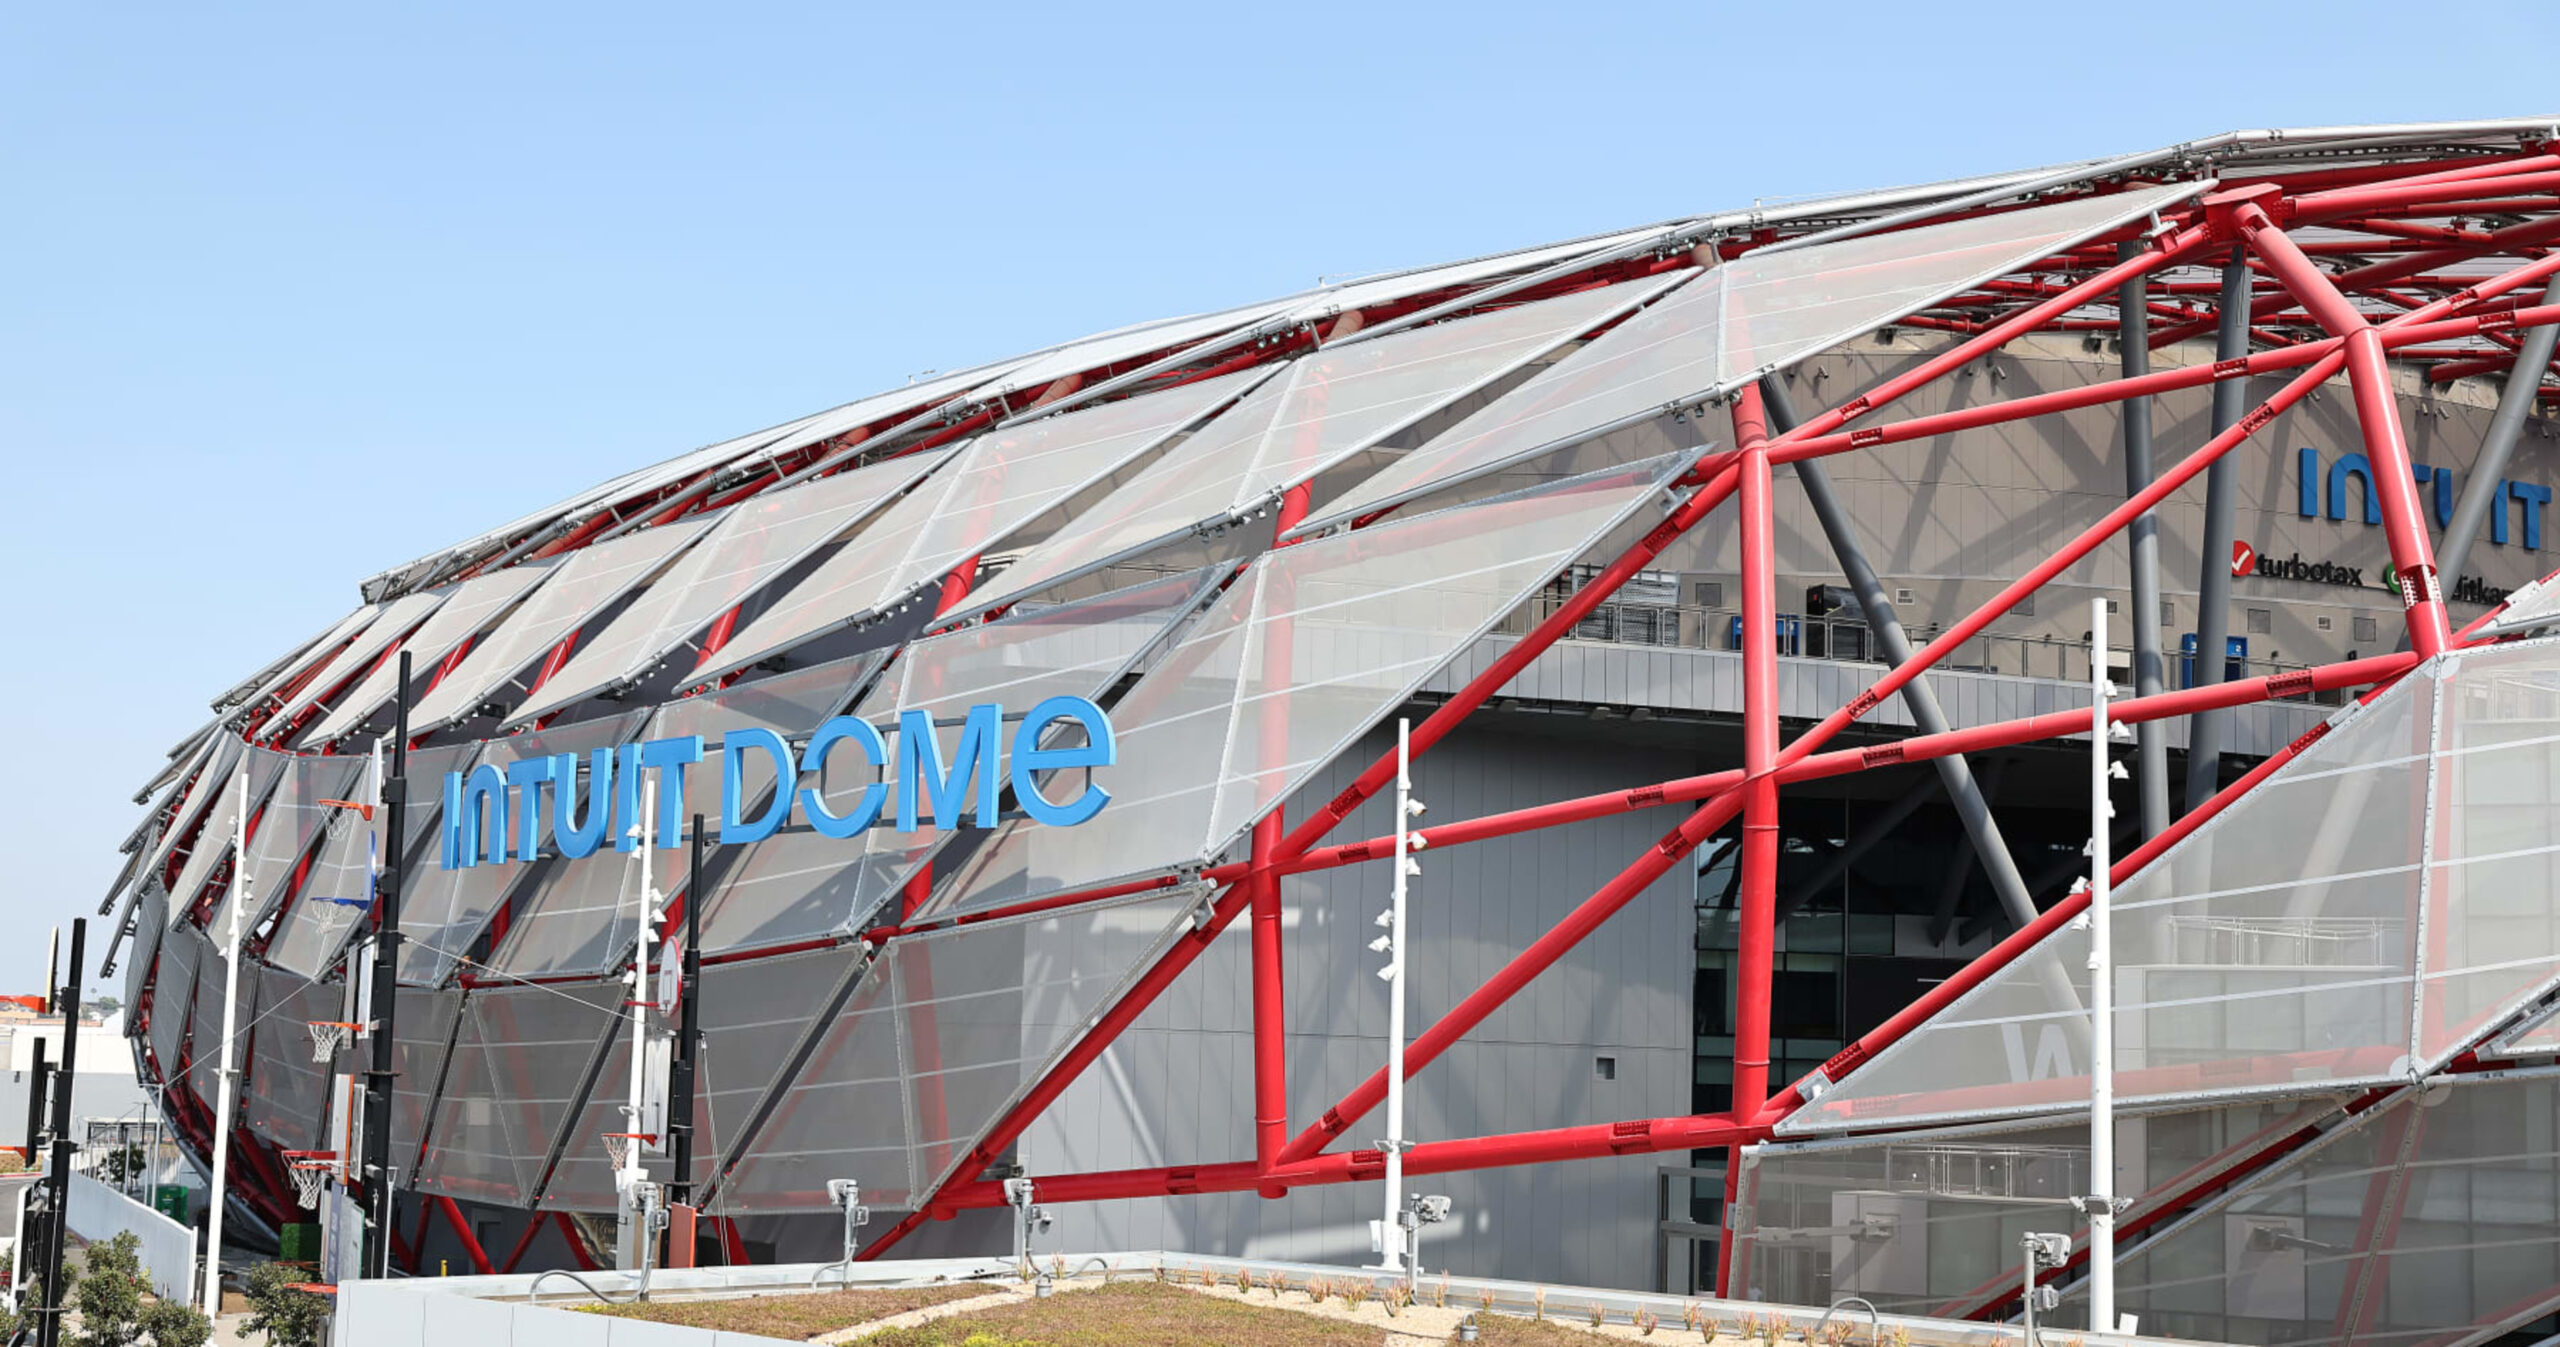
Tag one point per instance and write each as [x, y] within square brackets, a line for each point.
[239, 904]
[2100, 1205]
[627, 1182]
[1391, 1231]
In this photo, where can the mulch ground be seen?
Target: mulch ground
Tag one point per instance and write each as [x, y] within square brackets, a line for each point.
[1130, 1314]
[791, 1316]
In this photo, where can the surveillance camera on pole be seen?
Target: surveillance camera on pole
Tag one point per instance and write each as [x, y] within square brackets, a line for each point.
[1387, 1236]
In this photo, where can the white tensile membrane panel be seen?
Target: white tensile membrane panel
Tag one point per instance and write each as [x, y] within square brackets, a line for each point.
[220, 829]
[512, 1084]
[282, 832]
[588, 580]
[1762, 312]
[800, 884]
[399, 617]
[473, 604]
[2538, 1035]
[320, 648]
[422, 1033]
[1936, 1214]
[337, 895]
[1311, 647]
[753, 1015]
[442, 912]
[2432, 1217]
[1321, 410]
[760, 538]
[945, 1033]
[2419, 912]
[581, 916]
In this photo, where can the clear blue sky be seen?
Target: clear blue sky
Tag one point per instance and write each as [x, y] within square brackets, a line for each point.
[297, 292]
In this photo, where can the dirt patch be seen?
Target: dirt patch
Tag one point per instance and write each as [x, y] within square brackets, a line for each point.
[1130, 1314]
[791, 1316]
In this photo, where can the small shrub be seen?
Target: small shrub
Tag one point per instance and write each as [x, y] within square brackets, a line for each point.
[1645, 1323]
[1485, 1299]
[1538, 1305]
[1691, 1315]
[1440, 1294]
[1399, 1298]
[282, 1315]
[1244, 1281]
[1355, 1293]
[1599, 1314]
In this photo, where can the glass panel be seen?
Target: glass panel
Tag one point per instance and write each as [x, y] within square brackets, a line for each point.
[471, 605]
[799, 884]
[1764, 311]
[1928, 1224]
[587, 580]
[213, 842]
[1010, 477]
[581, 916]
[759, 539]
[422, 1030]
[2434, 1216]
[1300, 656]
[282, 832]
[1321, 410]
[2240, 965]
[515, 1076]
[940, 1038]
[443, 911]
[399, 618]
[753, 1014]
[287, 1095]
[337, 895]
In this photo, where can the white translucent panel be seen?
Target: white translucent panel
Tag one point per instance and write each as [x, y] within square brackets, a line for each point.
[1319, 411]
[581, 916]
[2433, 1217]
[518, 1073]
[336, 897]
[1360, 294]
[759, 539]
[753, 1016]
[194, 800]
[285, 670]
[170, 789]
[2491, 933]
[799, 884]
[2536, 1035]
[281, 834]
[286, 1097]
[442, 912]
[173, 993]
[1105, 349]
[1927, 1223]
[2533, 605]
[2240, 965]
[1307, 650]
[1762, 312]
[214, 840]
[471, 606]
[586, 581]
[399, 617]
[1011, 476]
[945, 1033]
[422, 1032]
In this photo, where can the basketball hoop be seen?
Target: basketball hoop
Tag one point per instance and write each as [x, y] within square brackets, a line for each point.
[617, 1147]
[309, 1169]
[328, 1035]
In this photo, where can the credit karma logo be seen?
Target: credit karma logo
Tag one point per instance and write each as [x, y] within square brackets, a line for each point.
[494, 815]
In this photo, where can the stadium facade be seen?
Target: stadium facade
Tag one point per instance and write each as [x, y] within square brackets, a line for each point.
[1734, 574]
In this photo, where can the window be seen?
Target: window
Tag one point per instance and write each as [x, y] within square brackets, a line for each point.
[2026, 606]
[1711, 594]
[2112, 607]
[2260, 622]
[2168, 613]
[2325, 623]
[2368, 629]
[1902, 598]
[1604, 1068]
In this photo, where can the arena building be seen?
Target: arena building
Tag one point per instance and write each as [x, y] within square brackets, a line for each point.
[1735, 576]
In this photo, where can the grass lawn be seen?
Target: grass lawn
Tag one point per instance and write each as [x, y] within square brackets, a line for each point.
[1130, 1314]
[1501, 1330]
[791, 1316]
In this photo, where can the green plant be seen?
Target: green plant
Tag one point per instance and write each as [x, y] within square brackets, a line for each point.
[1440, 1294]
[284, 1315]
[1538, 1305]
[1646, 1322]
[1599, 1314]
[171, 1323]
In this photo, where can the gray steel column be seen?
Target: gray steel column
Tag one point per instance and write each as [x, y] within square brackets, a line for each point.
[1923, 704]
[2489, 471]
[2213, 569]
[2151, 738]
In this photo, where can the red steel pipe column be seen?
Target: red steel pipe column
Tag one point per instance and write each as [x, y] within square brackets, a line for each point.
[1270, 1007]
[1759, 762]
[2377, 415]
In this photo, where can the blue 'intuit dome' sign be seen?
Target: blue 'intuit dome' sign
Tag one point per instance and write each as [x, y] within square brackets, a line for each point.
[507, 806]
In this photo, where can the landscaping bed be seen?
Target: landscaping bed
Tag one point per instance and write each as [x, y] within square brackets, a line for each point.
[1129, 1314]
[791, 1316]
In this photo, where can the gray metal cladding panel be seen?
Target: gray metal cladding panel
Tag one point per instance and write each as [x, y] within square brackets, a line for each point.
[173, 992]
[287, 1095]
[513, 1083]
[422, 1034]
